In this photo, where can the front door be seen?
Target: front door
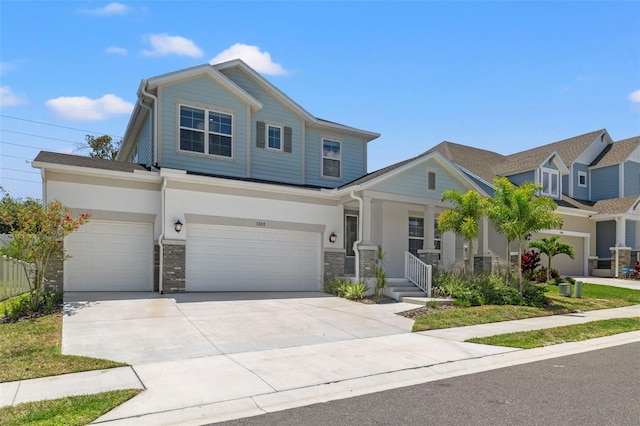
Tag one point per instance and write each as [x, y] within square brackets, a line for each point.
[351, 236]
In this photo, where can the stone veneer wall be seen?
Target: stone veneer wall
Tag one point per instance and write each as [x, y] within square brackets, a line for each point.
[333, 264]
[482, 264]
[593, 264]
[54, 275]
[156, 267]
[367, 261]
[173, 277]
[624, 259]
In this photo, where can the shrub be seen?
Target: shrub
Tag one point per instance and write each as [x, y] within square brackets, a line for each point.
[353, 291]
[534, 295]
[446, 284]
[530, 261]
[542, 276]
[570, 280]
[23, 306]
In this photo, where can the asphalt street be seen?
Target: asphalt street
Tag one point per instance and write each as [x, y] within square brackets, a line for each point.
[600, 387]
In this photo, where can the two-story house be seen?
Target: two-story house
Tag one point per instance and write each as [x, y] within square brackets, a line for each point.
[224, 183]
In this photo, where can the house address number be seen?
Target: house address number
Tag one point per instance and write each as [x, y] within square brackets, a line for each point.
[261, 224]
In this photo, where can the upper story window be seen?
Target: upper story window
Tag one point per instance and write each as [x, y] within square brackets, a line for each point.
[331, 158]
[206, 132]
[274, 137]
[431, 181]
[582, 179]
[550, 182]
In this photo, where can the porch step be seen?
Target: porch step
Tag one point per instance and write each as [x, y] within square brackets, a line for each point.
[422, 301]
[399, 288]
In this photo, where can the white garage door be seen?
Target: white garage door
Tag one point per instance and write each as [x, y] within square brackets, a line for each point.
[563, 263]
[110, 256]
[226, 258]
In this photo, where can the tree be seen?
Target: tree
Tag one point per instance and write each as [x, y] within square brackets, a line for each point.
[552, 247]
[516, 211]
[463, 219]
[37, 235]
[9, 207]
[101, 147]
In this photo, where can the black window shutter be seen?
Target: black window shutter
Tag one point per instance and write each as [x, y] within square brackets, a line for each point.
[260, 134]
[287, 139]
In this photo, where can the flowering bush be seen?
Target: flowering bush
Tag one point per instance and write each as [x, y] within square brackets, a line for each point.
[530, 260]
[37, 234]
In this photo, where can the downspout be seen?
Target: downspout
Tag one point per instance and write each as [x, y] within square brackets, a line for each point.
[359, 240]
[615, 273]
[161, 237]
[154, 128]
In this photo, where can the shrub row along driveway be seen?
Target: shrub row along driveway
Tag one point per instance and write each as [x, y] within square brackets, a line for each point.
[140, 328]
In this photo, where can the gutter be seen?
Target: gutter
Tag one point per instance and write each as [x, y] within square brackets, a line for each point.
[359, 240]
[161, 237]
[154, 128]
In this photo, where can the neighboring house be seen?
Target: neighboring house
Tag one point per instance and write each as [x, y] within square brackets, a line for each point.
[224, 183]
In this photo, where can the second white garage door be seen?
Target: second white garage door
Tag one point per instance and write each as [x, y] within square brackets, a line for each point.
[227, 258]
[110, 256]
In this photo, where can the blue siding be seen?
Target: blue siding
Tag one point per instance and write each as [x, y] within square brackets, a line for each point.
[581, 193]
[413, 182]
[265, 164]
[353, 158]
[486, 188]
[630, 234]
[520, 178]
[631, 178]
[144, 143]
[605, 183]
[605, 238]
[205, 91]
[565, 184]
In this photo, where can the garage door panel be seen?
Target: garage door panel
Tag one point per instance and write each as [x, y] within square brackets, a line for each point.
[110, 256]
[222, 258]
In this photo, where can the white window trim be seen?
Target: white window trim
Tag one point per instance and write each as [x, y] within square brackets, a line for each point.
[585, 179]
[322, 157]
[435, 180]
[206, 109]
[266, 135]
[423, 230]
[550, 172]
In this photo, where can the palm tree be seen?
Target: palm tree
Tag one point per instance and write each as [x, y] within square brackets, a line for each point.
[463, 219]
[552, 247]
[516, 211]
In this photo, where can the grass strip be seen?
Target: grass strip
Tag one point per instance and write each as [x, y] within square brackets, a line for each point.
[69, 411]
[31, 348]
[475, 315]
[563, 334]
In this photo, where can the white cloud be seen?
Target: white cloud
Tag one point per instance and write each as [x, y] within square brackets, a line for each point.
[110, 9]
[164, 44]
[8, 98]
[117, 50]
[635, 96]
[6, 67]
[84, 108]
[259, 61]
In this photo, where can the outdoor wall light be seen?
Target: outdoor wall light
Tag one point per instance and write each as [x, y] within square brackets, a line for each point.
[529, 236]
[333, 237]
[177, 226]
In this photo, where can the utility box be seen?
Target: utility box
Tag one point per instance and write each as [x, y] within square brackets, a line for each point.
[564, 290]
[577, 290]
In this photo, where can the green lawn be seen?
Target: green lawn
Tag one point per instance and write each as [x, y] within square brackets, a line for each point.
[31, 348]
[564, 334]
[594, 297]
[70, 411]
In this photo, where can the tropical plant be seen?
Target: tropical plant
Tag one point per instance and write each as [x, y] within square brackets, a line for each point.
[37, 235]
[516, 211]
[552, 247]
[352, 291]
[463, 219]
[530, 260]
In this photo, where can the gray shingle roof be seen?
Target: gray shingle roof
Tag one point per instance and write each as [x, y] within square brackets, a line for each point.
[617, 153]
[81, 161]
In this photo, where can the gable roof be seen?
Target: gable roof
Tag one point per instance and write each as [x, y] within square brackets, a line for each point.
[617, 152]
[616, 205]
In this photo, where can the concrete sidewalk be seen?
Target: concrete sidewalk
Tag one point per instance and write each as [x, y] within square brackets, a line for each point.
[226, 386]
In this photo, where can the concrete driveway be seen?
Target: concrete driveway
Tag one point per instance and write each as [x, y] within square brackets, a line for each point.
[143, 328]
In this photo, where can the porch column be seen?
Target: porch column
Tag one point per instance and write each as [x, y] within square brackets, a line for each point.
[621, 228]
[429, 219]
[366, 221]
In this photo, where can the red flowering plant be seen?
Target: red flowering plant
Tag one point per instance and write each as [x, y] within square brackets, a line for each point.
[37, 233]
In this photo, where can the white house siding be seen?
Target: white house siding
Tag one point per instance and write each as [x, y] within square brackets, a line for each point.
[207, 93]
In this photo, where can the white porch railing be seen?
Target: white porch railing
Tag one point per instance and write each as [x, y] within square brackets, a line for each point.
[418, 272]
[13, 278]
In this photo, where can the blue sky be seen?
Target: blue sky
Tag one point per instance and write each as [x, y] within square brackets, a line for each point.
[503, 76]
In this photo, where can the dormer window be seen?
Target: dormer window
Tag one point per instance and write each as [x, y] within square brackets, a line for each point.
[331, 159]
[274, 137]
[550, 182]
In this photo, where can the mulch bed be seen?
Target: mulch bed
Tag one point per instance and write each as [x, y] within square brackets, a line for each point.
[425, 310]
[373, 300]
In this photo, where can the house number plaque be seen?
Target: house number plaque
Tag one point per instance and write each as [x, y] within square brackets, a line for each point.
[261, 224]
